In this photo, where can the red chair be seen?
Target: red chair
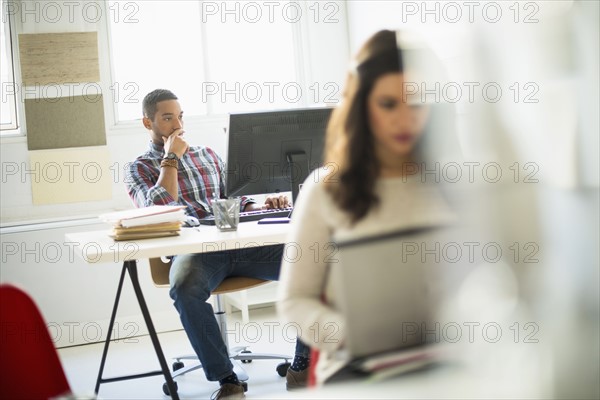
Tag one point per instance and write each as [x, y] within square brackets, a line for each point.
[29, 365]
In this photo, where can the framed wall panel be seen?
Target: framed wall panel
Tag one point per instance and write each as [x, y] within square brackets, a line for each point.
[56, 123]
[59, 58]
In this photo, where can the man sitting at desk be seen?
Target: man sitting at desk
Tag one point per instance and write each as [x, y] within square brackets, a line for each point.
[173, 173]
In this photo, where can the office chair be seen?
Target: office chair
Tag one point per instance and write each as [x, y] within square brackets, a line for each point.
[29, 365]
[159, 269]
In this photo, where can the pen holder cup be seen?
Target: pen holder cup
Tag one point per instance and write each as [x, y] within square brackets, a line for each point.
[227, 214]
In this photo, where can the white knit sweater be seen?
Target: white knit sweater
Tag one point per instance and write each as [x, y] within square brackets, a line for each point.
[316, 223]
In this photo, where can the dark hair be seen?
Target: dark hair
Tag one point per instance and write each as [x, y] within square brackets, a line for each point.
[350, 148]
[153, 98]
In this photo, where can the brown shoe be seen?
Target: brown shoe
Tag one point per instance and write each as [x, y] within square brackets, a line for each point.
[229, 391]
[296, 379]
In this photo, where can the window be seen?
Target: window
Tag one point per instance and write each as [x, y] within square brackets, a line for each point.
[9, 122]
[217, 56]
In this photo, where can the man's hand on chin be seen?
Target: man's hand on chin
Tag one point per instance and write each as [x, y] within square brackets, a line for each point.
[175, 143]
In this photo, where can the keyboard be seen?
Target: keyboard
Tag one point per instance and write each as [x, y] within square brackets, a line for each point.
[246, 216]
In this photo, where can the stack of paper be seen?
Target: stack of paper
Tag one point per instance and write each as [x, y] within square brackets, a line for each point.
[384, 366]
[145, 223]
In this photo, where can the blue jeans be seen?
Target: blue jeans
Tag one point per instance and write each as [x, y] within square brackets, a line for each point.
[194, 276]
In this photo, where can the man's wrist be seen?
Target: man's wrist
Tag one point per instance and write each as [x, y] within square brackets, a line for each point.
[169, 162]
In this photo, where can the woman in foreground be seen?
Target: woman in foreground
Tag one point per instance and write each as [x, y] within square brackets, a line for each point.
[371, 182]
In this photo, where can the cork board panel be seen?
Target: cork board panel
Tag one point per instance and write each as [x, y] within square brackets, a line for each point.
[70, 175]
[59, 58]
[56, 123]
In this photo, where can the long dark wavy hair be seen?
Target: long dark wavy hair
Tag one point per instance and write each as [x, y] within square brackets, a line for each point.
[350, 150]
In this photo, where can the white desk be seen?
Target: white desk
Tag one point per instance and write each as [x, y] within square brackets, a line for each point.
[97, 247]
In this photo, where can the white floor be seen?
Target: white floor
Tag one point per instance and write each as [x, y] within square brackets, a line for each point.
[263, 334]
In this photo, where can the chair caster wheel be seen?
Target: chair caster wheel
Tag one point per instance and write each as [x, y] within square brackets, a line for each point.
[246, 361]
[178, 365]
[245, 385]
[282, 368]
[166, 388]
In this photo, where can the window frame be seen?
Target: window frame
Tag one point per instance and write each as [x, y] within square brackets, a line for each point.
[17, 128]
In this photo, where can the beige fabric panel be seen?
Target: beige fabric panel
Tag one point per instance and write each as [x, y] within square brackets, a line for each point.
[59, 58]
[74, 121]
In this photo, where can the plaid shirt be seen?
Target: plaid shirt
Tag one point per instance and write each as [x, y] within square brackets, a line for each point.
[201, 177]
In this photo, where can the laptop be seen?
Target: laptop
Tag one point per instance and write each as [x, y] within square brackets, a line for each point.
[383, 288]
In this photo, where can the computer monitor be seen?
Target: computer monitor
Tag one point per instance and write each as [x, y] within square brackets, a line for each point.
[275, 151]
